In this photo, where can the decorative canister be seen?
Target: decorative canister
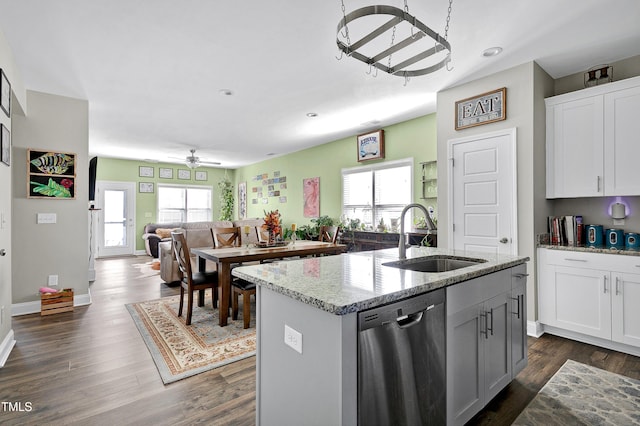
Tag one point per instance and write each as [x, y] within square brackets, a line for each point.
[615, 239]
[632, 241]
[594, 235]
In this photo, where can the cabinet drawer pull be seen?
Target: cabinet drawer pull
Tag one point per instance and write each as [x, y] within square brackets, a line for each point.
[486, 331]
[574, 260]
[519, 276]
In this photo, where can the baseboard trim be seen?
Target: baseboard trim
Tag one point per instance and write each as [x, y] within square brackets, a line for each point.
[596, 341]
[5, 348]
[534, 329]
[33, 307]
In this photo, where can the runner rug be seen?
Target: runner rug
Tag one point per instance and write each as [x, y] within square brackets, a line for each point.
[181, 351]
[579, 394]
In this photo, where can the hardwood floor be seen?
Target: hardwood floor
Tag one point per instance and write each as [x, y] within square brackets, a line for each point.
[91, 367]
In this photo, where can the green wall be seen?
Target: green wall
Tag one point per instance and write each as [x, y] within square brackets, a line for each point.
[411, 139]
[116, 170]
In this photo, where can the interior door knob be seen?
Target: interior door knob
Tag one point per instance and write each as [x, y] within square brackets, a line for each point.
[504, 240]
[2, 252]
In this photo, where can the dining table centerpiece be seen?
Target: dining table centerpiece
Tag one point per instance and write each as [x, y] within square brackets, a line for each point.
[272, 225]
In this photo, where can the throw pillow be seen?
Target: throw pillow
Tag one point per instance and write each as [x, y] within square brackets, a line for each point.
[163, 232]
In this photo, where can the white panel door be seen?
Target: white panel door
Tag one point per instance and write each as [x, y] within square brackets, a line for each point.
[482, 193]
[116, 223]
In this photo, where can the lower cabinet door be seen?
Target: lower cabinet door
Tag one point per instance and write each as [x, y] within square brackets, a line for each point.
[580, 300]
[465, 364]
[625, 308]
[519, 327]
[497, 345]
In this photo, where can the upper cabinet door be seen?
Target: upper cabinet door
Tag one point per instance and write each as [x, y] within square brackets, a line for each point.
[575, 141]
[621, 146]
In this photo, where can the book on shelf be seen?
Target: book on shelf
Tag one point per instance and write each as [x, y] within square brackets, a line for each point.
[566, 230]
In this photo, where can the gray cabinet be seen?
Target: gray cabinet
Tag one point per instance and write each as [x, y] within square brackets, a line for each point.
[480, 340]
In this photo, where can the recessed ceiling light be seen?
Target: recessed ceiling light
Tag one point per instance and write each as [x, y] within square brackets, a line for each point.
[226, 92]
[312, 114]
[492, 51]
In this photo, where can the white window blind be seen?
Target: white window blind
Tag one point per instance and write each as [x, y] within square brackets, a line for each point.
[377, 192]
[184, 204]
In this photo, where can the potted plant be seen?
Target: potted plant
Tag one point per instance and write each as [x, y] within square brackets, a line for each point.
[226, 199]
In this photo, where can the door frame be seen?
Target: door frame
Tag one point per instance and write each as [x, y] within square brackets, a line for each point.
[512, 134]
[101, 186]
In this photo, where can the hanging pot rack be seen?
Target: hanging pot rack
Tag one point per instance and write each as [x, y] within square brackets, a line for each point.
[398, 16]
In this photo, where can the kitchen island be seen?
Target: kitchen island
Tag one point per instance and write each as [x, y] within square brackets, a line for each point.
[307, 324]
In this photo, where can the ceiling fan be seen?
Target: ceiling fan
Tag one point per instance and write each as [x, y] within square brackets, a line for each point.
[192, 161]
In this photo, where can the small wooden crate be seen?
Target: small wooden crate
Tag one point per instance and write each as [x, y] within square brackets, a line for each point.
[55, 303]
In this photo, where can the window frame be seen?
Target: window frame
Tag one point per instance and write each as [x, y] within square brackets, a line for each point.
[185, 209]
[405, 162]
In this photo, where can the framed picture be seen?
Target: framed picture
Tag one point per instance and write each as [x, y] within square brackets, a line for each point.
[51, 174]
[145, 171]
[371, 146]
[5, 93]
[311, 196]
[201, 175]
[242, 200]
[482, 109]
[184, 174]
[145, 187]
[165, 173]
[5, 146]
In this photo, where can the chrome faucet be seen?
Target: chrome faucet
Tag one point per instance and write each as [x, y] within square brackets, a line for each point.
[402, 248]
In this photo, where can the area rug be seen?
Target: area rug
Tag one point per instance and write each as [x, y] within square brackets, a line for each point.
[579, 394]
[181, 351]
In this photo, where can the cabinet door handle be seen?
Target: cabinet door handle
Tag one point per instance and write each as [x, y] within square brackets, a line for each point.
[574, 260]
[485, 332]
[617, 285]
[517, 313]
[520, 275]
[598, 184]
[605, 283]
[490, 328]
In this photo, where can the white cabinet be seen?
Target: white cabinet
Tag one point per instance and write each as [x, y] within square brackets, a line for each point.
[593, 294]
[592, 141]
[480, 342]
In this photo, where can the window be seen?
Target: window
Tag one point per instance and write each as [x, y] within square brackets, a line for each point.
[377, 192]
[184, 204]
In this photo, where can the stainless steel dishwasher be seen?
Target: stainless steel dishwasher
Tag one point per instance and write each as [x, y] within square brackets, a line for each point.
[401, 362]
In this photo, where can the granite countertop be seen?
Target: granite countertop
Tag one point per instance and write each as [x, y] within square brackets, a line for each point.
[353, 282]
[590, 249]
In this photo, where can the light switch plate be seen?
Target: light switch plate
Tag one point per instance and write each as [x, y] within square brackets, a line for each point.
[47, 218]
[293, 338]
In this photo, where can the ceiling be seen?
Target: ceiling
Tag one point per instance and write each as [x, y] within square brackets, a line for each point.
[153, 70]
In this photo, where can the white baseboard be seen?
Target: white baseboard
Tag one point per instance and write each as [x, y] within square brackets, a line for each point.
[596, 341]
[33, 307]
[534, 329]
[140, 252]
[5, 348]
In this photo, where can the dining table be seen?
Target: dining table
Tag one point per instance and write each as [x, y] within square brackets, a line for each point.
[225, 257]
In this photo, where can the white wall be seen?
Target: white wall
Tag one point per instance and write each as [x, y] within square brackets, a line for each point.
[59, 124]
[18, 105]
[527, 85]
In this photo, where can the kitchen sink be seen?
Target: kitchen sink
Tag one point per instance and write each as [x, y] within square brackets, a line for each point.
[435, 263]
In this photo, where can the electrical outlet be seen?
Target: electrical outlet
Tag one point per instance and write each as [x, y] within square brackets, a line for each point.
[293, 338]
[52, 281]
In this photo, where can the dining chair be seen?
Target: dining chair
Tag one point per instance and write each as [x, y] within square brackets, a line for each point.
[246, 289]
[226, 237]
[329, 233]
[191, 281]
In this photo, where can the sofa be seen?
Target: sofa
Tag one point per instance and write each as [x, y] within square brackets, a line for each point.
[198, 234]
